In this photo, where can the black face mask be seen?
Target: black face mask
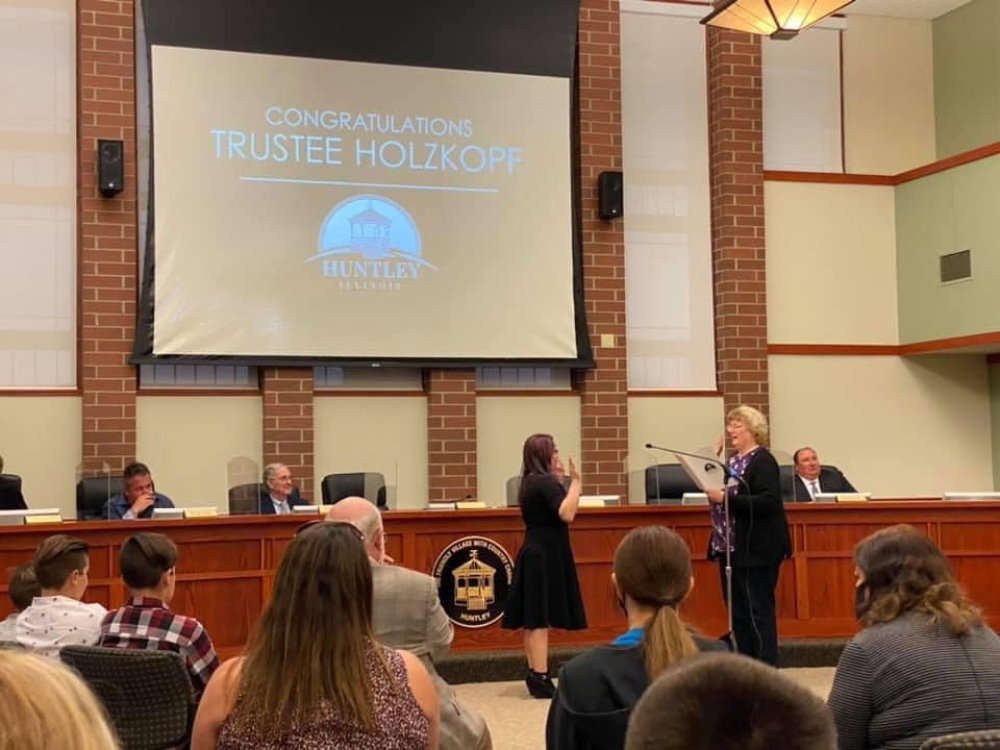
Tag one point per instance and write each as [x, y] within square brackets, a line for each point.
[862, 600]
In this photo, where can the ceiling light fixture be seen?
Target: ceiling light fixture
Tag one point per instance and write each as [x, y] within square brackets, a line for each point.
[778, 19]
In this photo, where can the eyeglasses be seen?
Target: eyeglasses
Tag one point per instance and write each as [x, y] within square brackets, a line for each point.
[354, 529]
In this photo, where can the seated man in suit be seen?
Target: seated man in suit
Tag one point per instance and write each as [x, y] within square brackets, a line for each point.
[407, 614]
[138, 498]
[279, 495]
[812, 478]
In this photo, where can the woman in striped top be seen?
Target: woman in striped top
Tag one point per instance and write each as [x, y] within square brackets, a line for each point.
[924, 664]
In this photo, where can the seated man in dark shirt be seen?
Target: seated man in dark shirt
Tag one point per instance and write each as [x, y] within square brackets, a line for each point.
[138, 499]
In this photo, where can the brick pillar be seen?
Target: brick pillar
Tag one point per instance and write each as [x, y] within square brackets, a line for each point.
[736, 158]
[604, 390]
[107, 234]
[451, 433]
[288, 423]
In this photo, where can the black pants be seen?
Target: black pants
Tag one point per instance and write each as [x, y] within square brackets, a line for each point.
[755, 623]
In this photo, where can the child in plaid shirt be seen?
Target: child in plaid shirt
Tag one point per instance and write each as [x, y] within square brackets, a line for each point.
[148, 567]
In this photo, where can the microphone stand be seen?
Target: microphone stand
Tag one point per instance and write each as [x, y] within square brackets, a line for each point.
[729, 525]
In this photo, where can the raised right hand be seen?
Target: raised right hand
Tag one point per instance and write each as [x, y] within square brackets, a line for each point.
[574, 473]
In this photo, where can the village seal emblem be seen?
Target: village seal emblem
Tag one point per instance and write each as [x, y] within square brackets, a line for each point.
[474, 574]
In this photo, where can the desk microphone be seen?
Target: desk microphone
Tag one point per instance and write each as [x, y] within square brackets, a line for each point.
[715, 462]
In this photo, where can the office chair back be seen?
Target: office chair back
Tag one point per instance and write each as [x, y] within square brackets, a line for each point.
[10, 493]
[369, 485]
[667, 483]
[513, 486]
[986, 739]
[92, 495]
[148, 694]
[244, 499]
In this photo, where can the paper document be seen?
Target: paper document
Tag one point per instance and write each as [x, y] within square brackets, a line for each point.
[704, 472]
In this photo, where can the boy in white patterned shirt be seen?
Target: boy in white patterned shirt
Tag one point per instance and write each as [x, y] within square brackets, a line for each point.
[58, 618]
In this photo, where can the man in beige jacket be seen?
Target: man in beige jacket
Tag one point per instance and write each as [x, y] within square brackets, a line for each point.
[408, 615]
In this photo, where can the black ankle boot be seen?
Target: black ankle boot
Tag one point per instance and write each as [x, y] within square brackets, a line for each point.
[540, 684]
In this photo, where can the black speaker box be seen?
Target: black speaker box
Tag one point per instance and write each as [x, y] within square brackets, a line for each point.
[110, 167]
[610, 195]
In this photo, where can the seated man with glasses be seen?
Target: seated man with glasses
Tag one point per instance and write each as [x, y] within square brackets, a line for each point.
[279, 495]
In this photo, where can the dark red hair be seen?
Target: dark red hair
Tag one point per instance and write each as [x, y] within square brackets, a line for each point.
[537, 455]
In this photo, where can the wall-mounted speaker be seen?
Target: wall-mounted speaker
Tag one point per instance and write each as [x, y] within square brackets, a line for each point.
[610, 195]
[110, 167]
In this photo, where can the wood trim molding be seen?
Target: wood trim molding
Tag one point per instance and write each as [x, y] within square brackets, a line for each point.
[375, 393]
[958, 160]
[835, 350]
[525, 393]
[638, 393]
[990, 339]
[829, 178]
[39, 392]
[837, 178]
[955, 342]
[199, 392]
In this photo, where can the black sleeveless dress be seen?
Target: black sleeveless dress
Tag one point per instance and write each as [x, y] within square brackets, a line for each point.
[545, 592]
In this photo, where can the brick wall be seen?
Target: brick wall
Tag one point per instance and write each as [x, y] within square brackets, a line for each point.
[604, 398]
[107, 234]
[451, 433]
[736, 158]
[288, 423]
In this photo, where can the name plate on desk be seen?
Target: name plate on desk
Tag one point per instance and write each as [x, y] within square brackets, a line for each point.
[22, 516]
[306, 510]
[599, 501]
[853, 497]
[209, 511]
[972, 496]
[694, 498]
[470, 505]
[161, 514]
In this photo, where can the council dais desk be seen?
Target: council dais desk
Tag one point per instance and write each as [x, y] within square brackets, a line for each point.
[226, 566]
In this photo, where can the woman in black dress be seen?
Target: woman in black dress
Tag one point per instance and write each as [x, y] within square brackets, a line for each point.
[545, 592]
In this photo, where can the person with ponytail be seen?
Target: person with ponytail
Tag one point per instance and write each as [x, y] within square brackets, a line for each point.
[651, 576]
[924, 663]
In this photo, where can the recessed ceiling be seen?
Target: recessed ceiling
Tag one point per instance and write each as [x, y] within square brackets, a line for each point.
[922, 9]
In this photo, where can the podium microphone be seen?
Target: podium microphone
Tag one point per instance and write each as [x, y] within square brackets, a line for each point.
[730, 474]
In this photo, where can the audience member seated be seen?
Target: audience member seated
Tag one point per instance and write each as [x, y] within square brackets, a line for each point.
[313, 675]
[729, 702]
[139, 497]
[281, 495]
[148, 564]
[812, 478]
[22, 589]
[46, 706]
[58, 618]
[652, 575]
[925, 664]
[407, 614]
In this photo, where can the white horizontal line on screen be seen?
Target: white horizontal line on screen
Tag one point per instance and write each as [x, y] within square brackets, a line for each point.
[339, 183]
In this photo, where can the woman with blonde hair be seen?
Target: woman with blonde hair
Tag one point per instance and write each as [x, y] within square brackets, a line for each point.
[752, 539]
[924, 664]
[597, 690]
[45, 706]
[313, 676]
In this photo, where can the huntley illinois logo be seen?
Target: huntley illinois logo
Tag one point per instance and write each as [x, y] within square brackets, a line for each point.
[370, 243]
[474, 574]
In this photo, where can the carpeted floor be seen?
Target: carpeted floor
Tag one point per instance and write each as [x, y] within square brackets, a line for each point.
[517, 722]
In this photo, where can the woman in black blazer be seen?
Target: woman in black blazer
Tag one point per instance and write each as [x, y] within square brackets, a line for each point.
[756, 532]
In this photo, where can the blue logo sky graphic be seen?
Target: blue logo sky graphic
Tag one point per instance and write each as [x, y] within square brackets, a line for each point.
[370, 242]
